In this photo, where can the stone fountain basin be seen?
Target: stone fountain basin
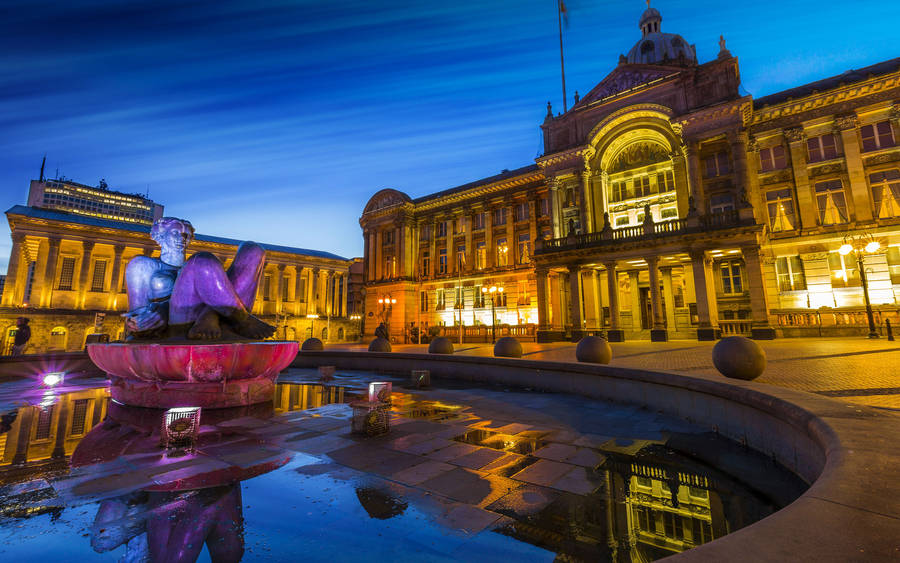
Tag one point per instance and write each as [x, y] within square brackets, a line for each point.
[216, 375]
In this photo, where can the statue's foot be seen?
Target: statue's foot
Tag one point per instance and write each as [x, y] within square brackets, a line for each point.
[206, 327]
[252, 327]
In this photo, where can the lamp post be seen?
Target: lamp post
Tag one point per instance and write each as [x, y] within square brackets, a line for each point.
[387, 305]
[493, 290]
[860, 246]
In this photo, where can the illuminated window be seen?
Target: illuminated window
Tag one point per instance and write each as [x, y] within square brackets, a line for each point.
[423, 301]
[772, 158]
[267, 287]
[622, 220]
[821, 148]
[442, 261]
[439, 303]
[876, 136]
[524, 248]
[844, 272]
[716, 165]
[544, 207]
[886, 193]
[893, 261]
[502, 253]
[478, 221]
[499, 216]
[831, 202]
[780, 205]
[480, 256]
[665, 181]
[390, 267]
[58, 338]
[460, 257]
[789, 270]
[521, 211]
[441, 229]
[99, 278]
[285, 291]
[79, 416]
[426, 264]
[730, 272]
[721, 203]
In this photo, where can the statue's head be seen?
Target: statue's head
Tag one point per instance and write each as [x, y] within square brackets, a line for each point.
[173, 236]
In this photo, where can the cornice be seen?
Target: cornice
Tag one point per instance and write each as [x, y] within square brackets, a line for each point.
[479, 192]
[695, 120]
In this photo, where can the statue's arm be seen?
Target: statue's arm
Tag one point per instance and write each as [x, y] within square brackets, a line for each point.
[137, 279]
[148, 302]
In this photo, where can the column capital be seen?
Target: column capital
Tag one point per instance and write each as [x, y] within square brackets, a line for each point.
[697, 253]
[611, 266]
[119, 249]
[574, 268]
[652, 260]
[54, 241]
[738, 137]
[752, 144]
[280, 267]
[18, 238]
[794, 134]
[845, 121]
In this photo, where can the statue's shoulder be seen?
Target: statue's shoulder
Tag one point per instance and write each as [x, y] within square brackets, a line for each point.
[144, 263]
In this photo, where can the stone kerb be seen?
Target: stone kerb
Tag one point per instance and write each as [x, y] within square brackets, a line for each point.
[843, 450]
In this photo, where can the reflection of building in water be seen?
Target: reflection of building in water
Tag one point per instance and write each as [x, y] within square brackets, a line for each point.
[50, 431]
[300, 396]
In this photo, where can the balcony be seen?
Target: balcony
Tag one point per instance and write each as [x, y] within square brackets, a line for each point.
[650, 231]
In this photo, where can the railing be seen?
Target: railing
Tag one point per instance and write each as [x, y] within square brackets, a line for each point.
[738, 327]
[647, 231]
[482, 333]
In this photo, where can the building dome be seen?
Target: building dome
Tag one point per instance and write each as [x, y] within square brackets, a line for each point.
[657, 47]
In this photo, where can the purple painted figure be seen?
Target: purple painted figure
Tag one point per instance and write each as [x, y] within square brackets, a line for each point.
[197, 298]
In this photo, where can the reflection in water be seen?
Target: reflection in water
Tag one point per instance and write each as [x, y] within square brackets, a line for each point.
[524, 443]
[379, 504]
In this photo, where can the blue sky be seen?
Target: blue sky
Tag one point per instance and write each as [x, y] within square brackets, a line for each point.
[276, 121]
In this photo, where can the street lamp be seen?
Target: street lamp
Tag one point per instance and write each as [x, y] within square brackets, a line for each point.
[493, 290]
[387, 304]
[860, 246]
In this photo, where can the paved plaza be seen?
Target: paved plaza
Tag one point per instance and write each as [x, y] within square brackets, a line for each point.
[851, 369]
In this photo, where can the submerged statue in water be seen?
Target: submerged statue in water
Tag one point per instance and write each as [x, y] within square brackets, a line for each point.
[197, 298]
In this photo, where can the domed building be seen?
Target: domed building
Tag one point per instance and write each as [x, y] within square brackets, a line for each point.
[666, 204]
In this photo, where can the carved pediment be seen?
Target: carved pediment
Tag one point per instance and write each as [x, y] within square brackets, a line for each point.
[385, 198]
[623, 79]
[638, 154]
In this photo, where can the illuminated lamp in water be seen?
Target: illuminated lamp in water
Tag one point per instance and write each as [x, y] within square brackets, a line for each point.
[380, 391]
[180, 427]
[53, 378]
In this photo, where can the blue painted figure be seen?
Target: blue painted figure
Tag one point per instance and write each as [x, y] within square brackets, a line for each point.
[197, 298]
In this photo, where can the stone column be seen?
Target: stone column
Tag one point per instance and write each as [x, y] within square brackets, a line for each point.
[542, 299]
[587, 204]
[511, 243]
[370, 256]
[489, 250]
[808, 209]
[658, 322]
[329, 292]
[691, 149]
[470, 260]
[432, 250]
[682, 183]
[50, 270]
[668, 296]
[279, 288]
[312, 305]
[575, 309]
[345, 279]
[634, 277]
[553, 185]
[532, 229]
[600, 201]
[598, 308]
[614, 334]
[858, 190]
[299, 297]
[759, 310]
[13, 279]
[87, 254]
[114, 282]
[379, 255]
[704, 289]
[556, 316]
[754, 197]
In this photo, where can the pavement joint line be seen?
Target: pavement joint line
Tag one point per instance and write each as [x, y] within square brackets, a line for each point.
[853, 507]
[861, 353]
[859, 392]
[661, 351]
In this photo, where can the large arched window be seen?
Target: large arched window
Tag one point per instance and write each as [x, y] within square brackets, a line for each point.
[641, 173]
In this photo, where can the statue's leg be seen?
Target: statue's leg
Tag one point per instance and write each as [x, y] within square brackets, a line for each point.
[246, 271]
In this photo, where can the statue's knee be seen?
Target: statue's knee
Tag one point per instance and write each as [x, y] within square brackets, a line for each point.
[203, 259]
[251, 251]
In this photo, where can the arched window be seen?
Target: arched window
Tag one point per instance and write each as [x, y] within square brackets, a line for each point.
[58, 337]
[325, 334]
[341, 333]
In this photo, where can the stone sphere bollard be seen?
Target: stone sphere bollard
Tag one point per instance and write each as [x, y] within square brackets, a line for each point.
[508, 347]
[593, 350]
[440, 345]
[312, 345]
[380, 345]
[739, 358]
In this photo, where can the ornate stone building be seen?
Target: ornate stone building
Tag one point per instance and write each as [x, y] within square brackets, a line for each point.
[667, 204]
[67, 269]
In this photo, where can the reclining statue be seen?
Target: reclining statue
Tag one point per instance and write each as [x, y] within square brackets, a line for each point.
[170, 297]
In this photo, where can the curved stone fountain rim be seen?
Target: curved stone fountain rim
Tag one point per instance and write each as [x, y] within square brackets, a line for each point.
[848, 452]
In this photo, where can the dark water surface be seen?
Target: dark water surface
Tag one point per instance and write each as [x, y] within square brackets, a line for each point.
[466, 474]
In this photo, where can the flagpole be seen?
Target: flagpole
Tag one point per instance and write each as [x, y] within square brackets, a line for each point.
[562, 65]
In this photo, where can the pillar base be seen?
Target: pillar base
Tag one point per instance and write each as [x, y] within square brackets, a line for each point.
[550, 335]
[659, 335]
[762, 333]
[706, 334]
[615, 335]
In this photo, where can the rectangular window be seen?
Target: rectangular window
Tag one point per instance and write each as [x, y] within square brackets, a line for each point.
[620, 191]
[522, 211]
[702, 531]
[621, 220]
[439, 303]
[831, 202]
[390, 267]
[780, 205]
[478, 221]
[644, 519]
[460, 258]
[821, 148]
[665, 181]
[426, 264]
[478, 297]
[772, 158]
[388, 237]
[844, 272]
[731, 277]
[480, 256]
[499, 216]
[66, 273]
[285, 288]
[423, 301]
[642, 186]
[721, 203]
[716, 165]
[302, 291]
[893, 261]
[668, 213]
[876, 136]
[267, 287]
[459, 226]
[886, 193]
[544, 206]
[441, 229]
[442, 261]
[79, 415]
[789, 270]
[502, 253]
[99, 278]
[42, 432]
[524, 248]
[427, 232]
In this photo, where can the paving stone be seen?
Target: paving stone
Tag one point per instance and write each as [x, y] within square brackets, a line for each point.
[469, 486]
[478, 458]
[586, 457]
[524, 501]
[319, 444]
[421, 472]
[576, 481]
[426, 447]
[468, 519]
[544, 472]
[556, 452]
[453, 451]
[360, 456]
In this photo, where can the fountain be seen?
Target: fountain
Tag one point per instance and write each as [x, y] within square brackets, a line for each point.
[191, 338]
